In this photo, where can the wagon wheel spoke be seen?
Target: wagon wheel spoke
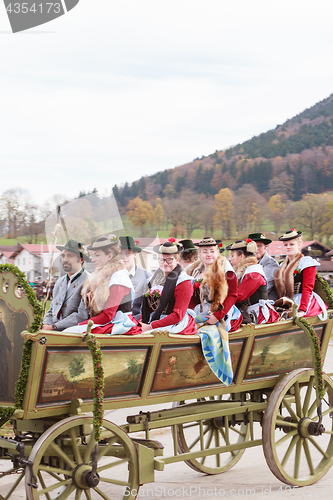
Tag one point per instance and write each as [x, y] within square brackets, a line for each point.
[227, 442]
[237, 431]
[297, 457]
[111, 464]
[298, 402]
[208, 443]
[40, 477]
[188, 426]
[88, 494]
[68, 491]
[286, 437]
[217, 444]
[114, 481]
[290, 410]
[191, 446]
[90, 448]
[316, 445]
[308, 396]
[226, 427]
[103, 450]
[326, 412]
[60, 453]
[53, 471]
[101, 494]
[312, 408]
[78, 494]
[75, 447]
[308, 456]
[65, 482]
[291, 446]
[280, 422]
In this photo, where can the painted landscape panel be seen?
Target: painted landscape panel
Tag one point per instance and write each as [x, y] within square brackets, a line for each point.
[69, 374]
[12, 323]
[181, 367]
[280, 353]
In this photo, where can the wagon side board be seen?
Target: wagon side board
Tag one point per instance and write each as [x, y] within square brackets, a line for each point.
[159, 368]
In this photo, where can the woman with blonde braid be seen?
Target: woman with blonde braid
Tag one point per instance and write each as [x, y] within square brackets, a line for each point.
[108, 291]
[295, 279]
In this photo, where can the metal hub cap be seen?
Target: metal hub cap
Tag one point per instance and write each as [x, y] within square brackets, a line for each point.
[84, 477]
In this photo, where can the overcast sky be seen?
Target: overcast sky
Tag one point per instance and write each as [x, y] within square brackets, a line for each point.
[117, 89]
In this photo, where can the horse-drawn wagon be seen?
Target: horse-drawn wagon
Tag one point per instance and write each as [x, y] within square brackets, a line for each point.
[63, 452]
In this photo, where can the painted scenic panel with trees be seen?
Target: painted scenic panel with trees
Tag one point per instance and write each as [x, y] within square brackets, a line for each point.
[12, 323]
[181, 366]
[280, 353]
[69, 374]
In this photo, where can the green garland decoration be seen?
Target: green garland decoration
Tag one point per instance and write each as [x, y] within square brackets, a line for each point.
[326, 289]
[27, 348]
[318, 361]
[98, 412]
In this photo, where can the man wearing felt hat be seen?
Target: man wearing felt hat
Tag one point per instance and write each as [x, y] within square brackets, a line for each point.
[67, 307]
[139, 276]
[189, 254]
[268, 262]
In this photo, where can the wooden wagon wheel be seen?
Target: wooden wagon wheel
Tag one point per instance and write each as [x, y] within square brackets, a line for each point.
[62, 465]
[210, 433]
[297, 449]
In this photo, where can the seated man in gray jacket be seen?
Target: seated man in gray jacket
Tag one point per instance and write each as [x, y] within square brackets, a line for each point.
[67, 307]
[139, 276]
[268, 262]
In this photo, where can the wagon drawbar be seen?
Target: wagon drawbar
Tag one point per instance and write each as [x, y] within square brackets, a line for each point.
[54, 449]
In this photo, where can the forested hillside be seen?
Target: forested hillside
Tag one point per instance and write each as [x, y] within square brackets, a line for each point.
[293, 159]
[281, 179]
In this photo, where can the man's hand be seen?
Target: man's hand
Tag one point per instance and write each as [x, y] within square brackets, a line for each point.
[300, 313]
[47, 327]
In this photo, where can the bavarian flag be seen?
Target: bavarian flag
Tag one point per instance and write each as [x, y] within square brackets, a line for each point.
[215, 346]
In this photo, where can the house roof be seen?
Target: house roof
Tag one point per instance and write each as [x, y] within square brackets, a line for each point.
[326, 266]
[31, 248]
[277, 248]
[7, 250]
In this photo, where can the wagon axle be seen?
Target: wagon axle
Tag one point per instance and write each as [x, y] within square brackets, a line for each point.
[306, 428]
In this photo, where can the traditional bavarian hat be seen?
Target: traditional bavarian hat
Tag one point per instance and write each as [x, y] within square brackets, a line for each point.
[208, 241]
[248, 245]
[103, 242]
[75, 247]
[260, 237]
[290, 235]
[188, 246]
[127, 242]
[169, 247]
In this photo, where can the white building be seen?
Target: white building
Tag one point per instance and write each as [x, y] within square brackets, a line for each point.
[33, 260]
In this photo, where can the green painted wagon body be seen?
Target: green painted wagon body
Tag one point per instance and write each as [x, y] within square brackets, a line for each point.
[274, 383]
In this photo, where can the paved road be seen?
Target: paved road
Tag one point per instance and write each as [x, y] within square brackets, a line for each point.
[249, 478]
